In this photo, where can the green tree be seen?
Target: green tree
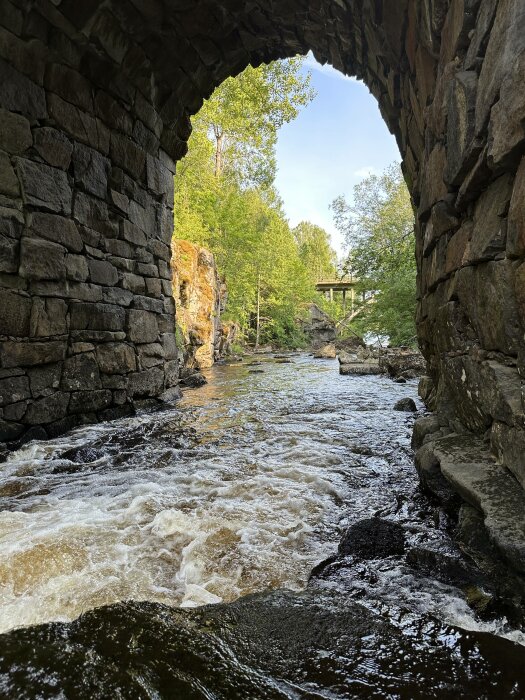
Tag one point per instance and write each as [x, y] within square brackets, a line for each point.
[379, 232]
[315, 251]
[245, 113]
[225, 199]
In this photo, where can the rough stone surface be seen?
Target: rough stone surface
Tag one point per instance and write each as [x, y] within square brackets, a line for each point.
[94, 116]
[199, 298]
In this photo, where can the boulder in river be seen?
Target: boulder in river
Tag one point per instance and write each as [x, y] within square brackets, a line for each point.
[326, 352]
[407, 404]
[402, 362]
[373, 538]
[192, 379]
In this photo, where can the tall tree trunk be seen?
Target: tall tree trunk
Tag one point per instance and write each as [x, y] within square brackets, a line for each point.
[219, 145]
[258, 328]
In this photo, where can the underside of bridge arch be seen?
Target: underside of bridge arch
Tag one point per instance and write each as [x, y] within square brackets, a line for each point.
[96, 98]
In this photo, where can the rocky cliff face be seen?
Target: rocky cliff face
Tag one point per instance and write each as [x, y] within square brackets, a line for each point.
[199, 297]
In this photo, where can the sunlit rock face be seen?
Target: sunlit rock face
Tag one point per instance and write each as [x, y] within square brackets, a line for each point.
[198, 294]
[97, 99]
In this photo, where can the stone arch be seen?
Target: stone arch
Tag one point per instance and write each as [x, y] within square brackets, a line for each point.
[96, 101]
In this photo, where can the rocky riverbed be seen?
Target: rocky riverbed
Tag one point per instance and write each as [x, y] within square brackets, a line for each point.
[283, 508]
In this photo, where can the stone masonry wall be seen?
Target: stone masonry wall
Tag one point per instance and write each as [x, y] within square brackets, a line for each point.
[86, 195]
[96, 101]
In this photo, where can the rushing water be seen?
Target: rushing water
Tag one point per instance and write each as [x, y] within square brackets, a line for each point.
[244, 486]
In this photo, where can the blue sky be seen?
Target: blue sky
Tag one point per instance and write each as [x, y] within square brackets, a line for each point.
[333, 144]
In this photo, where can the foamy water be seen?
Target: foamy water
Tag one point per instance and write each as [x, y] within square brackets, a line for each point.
[245, 486]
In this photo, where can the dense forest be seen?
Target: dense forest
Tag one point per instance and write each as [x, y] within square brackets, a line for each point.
[226, 200]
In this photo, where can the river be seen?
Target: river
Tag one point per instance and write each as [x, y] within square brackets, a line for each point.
[243, 487]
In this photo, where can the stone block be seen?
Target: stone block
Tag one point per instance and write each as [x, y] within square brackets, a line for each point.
[44, 380]
[490, 220]
[69, 85]
[97, 317]
[142, 326]
[133, 283]
[169, 344]
[57, 229]
[116, 358]
[91, 170]
[127, 155]
[48, 318]
[150, 355]
[27, 354]
[90, 401]
[159, 179]
[462, 150]
[171, 373]
[507, 40]
[80, 373]
[112, 113]
[516, 218]
[20, 94]
[120, 249]
[103, 272]
[115, 295]
[15, 411]
[115, 381]
[91, 212]
[9, 184]
[133, 234]
[507, 122]
[80, 125]
[15, 314]
[148, 304]
[42, 260]
[14, 389]
[9, 254]
[433, 188]
[77, 268]
[143, 217]
[15, 132]
[44, 187]
[147, 383]
[154, 287]
[10, 431]
[54, 147]
[47, 410]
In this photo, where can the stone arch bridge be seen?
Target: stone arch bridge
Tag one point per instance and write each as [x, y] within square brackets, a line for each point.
[96, 98]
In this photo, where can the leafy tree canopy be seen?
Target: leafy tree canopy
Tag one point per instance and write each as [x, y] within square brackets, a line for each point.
[379, 233]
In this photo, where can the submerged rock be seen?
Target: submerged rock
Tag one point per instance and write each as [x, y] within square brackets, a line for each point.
[192, 379]
[373, 538]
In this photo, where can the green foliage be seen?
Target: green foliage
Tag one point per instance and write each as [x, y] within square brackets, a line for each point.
[315, 251]
[225, 201]
[379, 232]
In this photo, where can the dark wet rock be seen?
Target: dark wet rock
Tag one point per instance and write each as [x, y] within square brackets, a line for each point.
[446, 563]
[84, 454]
[171, 395]
[255, 371]
[423, 427]
[400, 380]
[402, 362]
[349, 344]
[193, 379]
[408, 405]
[373, 538]
[284, 361]
[273, 646]
[432, 480]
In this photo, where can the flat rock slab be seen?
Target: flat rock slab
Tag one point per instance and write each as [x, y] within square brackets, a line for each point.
[360, 368]
[489, 487]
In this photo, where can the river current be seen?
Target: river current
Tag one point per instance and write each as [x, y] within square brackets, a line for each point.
[245, 485]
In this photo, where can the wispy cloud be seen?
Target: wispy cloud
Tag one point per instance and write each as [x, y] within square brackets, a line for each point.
[365, 172]
[327, 69]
